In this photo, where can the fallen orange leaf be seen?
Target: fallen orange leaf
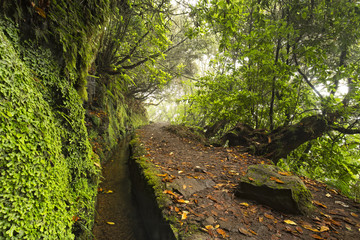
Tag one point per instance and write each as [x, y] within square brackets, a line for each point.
[211, 198]
[253, 232]
[276, 180]
[319, 204]
[299, 229]
[222, 232]
[269, 216]
[284, 173]
[316, 236]
[161, 175]
[251, 179]
[354, 214]
[169, 192]
[182, 201]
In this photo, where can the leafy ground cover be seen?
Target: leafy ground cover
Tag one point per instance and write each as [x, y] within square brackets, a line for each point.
[217, 213]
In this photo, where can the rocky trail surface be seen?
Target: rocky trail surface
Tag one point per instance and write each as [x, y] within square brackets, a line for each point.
[201, 181]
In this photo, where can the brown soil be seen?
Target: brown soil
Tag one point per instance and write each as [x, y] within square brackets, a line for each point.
[219, 213]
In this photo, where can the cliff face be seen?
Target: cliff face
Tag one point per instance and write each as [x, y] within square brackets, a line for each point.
[48, 169]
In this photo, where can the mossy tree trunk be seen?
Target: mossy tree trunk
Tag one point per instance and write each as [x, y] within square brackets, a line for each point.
[280, 142]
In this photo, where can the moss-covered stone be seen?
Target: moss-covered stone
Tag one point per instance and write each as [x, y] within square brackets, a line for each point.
[264, 184]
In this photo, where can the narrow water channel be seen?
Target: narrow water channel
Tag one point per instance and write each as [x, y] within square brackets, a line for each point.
[116, 204]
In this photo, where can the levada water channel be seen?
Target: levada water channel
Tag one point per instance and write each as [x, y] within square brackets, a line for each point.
[126, 209]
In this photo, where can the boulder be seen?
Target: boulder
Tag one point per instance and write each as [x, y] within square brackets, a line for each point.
[264, 184]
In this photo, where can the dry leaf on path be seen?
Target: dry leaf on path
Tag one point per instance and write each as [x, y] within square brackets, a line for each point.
[169, 192]
[182, 201]
[276, 180]
[161, 175]
[222, 232]
[184, 215]
[244, 204]
[299, 229]
[324, 229]
[287, 221]
[209, 227]
[319, 204]
[110, 223]
[245, 232]
[316, 236]
[253, 232]
[285, 173]
[354, 214]
[269, 216]
[309, 227]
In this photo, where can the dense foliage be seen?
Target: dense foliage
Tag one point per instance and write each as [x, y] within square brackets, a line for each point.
[280, 62]
[47, 168]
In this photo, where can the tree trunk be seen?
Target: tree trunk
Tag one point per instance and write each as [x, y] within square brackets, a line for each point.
[280, 142]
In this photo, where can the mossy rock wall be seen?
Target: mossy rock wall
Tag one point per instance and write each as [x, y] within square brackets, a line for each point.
[48, 178]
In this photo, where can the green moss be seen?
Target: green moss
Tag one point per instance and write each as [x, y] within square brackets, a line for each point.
[73, 28]
[149, 171]
[47, 166]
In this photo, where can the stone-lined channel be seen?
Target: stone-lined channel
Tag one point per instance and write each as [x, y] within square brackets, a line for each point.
[130, 205]
[118, 206]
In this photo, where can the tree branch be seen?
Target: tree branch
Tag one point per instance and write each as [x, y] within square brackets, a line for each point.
[346, 130]
[133, 49]
[306, 78]
[120, 71]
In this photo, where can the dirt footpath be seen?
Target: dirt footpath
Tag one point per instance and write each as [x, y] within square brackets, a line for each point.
[201, 181]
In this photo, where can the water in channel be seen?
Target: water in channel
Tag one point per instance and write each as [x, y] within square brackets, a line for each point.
[115, 203]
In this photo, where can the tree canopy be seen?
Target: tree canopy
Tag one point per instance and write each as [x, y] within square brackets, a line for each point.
[286, 68]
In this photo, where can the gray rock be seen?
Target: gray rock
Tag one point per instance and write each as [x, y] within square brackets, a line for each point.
[189, 186]
[208, 221]
[289, 196]
[227, 225]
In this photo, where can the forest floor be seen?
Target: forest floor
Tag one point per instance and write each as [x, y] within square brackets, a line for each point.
[212, 206]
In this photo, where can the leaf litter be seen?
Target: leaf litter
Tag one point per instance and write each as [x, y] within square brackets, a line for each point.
[208, 208]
